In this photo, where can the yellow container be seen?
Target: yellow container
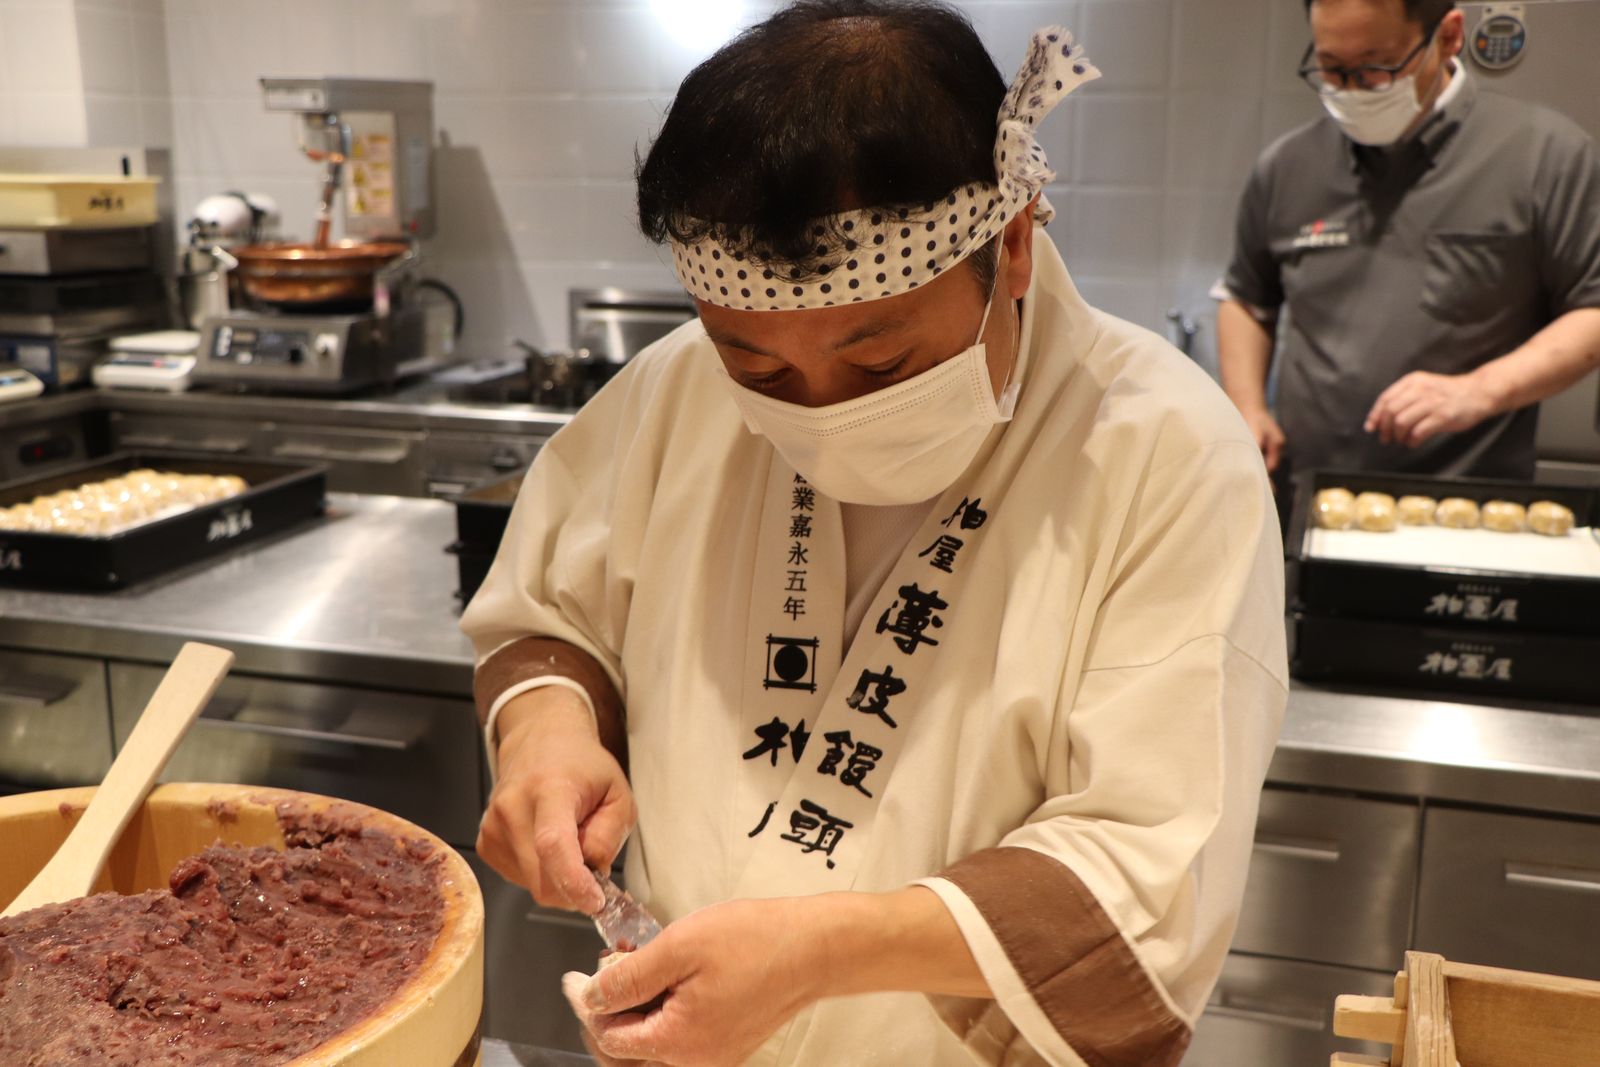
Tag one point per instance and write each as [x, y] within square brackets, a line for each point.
[76, 200]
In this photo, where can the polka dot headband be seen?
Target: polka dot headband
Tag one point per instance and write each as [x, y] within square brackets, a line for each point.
[883, 252]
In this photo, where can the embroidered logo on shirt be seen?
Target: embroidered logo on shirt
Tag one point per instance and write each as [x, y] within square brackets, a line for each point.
[1322, 234]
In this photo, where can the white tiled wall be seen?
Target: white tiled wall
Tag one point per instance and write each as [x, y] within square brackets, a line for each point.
[540, 105]
[41, 84]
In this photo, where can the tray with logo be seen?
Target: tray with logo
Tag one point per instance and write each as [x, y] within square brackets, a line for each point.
[1480, 662]
[1521, 592]
[279, 496]
[481, 518]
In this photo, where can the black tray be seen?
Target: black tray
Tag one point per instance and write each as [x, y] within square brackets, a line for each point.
[481, 517]
[1480, 601]
[280, 495]
[1447, 659]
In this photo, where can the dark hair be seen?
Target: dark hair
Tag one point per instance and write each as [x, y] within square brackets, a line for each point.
[827, 106]
[1426, 13]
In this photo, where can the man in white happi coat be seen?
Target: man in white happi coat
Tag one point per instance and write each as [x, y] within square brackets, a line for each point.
[921, 624]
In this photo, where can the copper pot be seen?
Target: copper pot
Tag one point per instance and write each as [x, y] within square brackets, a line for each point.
[289, 275]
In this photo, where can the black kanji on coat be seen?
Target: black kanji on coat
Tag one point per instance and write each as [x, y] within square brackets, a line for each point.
[914, 613]
[970, 514]
[873, 692]
[777, 735]
[813, 819]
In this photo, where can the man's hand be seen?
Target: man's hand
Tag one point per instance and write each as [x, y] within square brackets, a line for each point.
[733, 974]
[1268, 434]
[1423, 405]
[561, 801]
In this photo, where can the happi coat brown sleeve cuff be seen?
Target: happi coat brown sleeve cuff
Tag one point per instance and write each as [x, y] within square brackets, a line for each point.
[532, 658]
[1062, 973]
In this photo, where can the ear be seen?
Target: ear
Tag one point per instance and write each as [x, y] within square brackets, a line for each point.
[1017, 264]
[1452, 34]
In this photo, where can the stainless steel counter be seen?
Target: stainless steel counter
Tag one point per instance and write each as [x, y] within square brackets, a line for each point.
[1540, 757]
[420, 405]
[366, 597]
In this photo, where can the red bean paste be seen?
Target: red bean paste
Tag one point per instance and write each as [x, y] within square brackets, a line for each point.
[252, 957]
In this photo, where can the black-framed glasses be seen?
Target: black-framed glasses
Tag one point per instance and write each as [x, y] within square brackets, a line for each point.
[1371, 77]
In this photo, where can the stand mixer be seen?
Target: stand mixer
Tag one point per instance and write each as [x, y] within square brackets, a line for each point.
[336, 316]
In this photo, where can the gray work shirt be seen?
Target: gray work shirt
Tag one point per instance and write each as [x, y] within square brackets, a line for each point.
[1439, 254]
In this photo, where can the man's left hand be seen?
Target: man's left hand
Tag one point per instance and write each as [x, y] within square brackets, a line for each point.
[1423, 405]
[732, 973]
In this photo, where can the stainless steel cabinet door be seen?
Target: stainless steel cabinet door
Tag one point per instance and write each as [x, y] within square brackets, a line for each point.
[55, 723]
[526, 951]
[135, 431]
[1279, 1013]
[1511, 891]
[416, 756]
[1331, 880]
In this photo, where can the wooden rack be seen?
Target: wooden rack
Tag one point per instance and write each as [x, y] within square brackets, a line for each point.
[1447, 1014]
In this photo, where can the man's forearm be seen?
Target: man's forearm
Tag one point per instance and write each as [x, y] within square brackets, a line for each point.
[904, 941]
[1244, 355]
[1552, 360]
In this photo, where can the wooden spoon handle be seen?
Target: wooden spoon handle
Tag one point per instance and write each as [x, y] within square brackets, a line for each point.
[185, 689]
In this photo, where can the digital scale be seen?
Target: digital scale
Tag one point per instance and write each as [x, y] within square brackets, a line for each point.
[1501, 38]
[161, 361]
[18, 384]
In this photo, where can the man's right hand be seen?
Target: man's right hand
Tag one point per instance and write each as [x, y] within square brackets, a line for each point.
[1268, 434]
[561, 803]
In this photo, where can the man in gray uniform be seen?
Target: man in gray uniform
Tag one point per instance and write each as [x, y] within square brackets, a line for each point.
[1435, 252]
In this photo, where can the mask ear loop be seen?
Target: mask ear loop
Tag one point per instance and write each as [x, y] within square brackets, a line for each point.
[1008, 389]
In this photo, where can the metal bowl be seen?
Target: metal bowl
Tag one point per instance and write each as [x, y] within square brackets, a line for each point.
[302, 277]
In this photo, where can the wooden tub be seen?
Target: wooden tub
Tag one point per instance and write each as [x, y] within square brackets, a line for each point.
[432, 1021]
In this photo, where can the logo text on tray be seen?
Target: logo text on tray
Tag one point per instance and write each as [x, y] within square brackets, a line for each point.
[1473, 666]
[1475, 606]
[229, 525]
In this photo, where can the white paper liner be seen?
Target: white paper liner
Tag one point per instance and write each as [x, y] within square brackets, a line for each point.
[1577, 555]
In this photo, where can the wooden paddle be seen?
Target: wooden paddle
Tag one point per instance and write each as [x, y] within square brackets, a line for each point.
[72, 871]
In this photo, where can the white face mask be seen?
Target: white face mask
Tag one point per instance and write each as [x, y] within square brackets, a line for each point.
[899, 445]
[1373, 118]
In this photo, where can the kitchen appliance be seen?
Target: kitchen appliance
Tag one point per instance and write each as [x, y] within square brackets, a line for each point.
[218, 223]
[1542, 51]
[83, 251]
[58, 326]
[162, 361]
[606, 328]
[50, 252]
[338, 316]
[614, 324]
[18, 384]
[306, 353]
[384, 131]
